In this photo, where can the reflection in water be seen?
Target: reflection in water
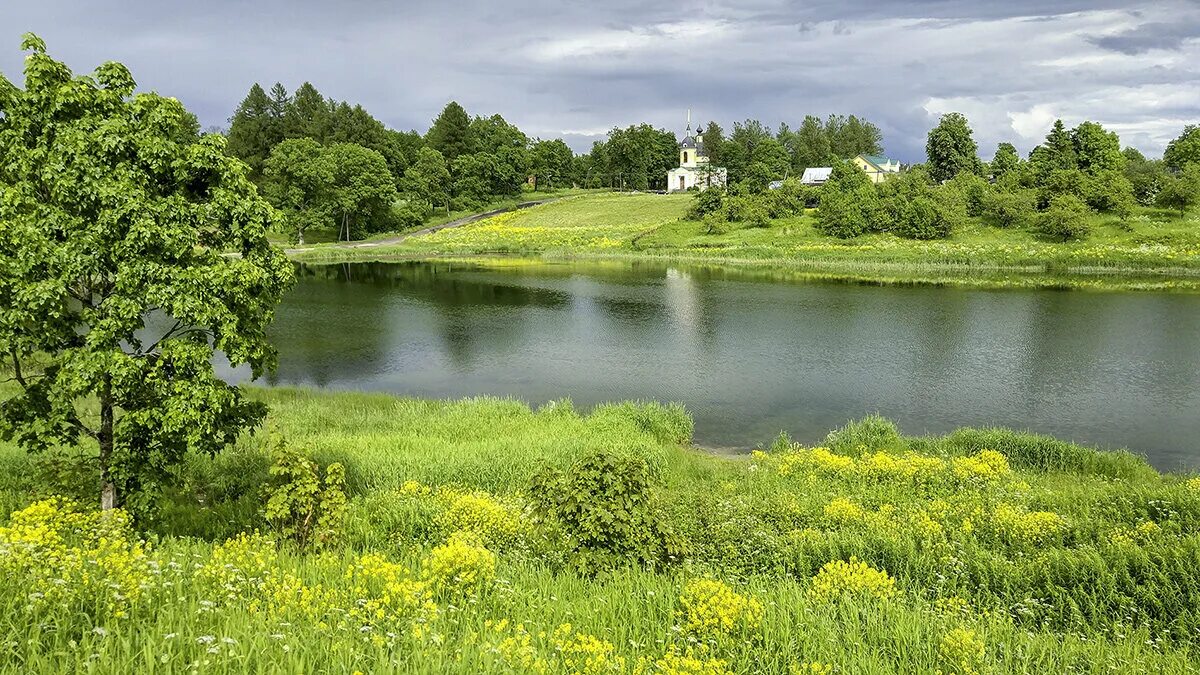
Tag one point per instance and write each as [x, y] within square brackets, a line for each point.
[751, 358]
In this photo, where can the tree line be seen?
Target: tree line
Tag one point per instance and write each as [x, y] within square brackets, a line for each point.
[329, 164]
[1073, 174]
[326, 163]
[638, 157]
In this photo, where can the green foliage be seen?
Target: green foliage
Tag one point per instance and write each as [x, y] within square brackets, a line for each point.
[1181, 191]
[706, 202]
[428, 179]
[450, 133]
[1183, 150]
[636, 157]
[1096, 150]
[747, 210]
[115, 289]
[849, 204]
[1145, 176]
[951, 149]
[1111, 192]
[360, 192]
[606, 506]
[1010, 208]
[975, 192]
[1065, 219]
[1005, 161]
[300, 504]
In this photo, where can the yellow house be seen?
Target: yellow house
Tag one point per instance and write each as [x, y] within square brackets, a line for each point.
[877, 167]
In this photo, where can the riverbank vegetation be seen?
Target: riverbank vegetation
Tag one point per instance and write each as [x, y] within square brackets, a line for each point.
[485, 536]
[1154, 248]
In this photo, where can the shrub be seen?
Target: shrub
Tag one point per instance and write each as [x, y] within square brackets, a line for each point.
[1181, 192]
[706, 202]
[605, 504]
[748, 210]
[974, 190]
[1010, 209]
[1065, 219]
[849, 203]
[920, 218]
[870, 433]
[480, 514]
[300, 505]
[841, 215]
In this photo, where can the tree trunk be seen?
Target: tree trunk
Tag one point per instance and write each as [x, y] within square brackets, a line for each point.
[108, 490]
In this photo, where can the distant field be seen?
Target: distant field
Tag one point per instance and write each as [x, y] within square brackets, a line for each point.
[1153, 249]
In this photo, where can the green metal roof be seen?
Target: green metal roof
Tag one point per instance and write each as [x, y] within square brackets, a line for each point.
[879, 160]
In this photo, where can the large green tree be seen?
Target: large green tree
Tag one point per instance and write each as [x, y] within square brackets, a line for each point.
[810, 145]
[552, 163]
[1183, 150]
[116, 279]
[360, 192]
[254, 129]
[1096, 149]
[951, 148]
[297, 177]
[1005, 161]
[428, 179]
[451, 132]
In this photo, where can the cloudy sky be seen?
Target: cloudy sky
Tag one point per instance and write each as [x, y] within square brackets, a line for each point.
[560, 68]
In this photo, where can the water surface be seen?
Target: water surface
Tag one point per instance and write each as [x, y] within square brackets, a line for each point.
[751, 358]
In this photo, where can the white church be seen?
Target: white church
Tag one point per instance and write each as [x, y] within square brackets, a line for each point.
[694, 171]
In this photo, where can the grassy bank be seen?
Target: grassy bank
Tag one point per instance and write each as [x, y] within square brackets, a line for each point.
[1153, 249]
[316, 236]
[983, 551]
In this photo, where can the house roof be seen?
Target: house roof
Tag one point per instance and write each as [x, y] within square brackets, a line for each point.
[879, 160]
[818, 174]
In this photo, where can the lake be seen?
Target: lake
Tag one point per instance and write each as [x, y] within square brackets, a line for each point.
[751, 355]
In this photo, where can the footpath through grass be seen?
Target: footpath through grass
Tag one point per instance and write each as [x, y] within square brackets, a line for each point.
[1153, 249]
[984, 551]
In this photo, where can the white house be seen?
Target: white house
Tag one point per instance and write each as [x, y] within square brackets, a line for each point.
[816, 175]
[694, 171]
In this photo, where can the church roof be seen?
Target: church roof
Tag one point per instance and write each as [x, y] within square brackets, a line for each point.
[690, 141]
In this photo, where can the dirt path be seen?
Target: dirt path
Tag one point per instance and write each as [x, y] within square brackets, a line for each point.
[425, 230]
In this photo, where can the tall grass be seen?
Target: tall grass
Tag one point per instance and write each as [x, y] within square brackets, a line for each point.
[1009, 553]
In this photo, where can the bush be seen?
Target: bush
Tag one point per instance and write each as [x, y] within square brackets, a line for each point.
[975, 192]
[301, 506]
[706, 202]
[748, 210]
[849, 203]
[1065, 219]
[606, 507]
[790, 199]
[1011, 209]
[1181, 192]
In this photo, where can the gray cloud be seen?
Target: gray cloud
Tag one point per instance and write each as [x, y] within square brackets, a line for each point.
[1149, 36]
[574, 70]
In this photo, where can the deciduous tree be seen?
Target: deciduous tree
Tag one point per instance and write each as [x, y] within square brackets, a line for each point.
[115, 285]
[951, 148]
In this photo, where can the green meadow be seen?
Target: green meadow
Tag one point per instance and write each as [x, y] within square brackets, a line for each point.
[1153, 249]
[485, 536]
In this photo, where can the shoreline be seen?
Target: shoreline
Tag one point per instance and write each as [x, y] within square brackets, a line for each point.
[867, 272]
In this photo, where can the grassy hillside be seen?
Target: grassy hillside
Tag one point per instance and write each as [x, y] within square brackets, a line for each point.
[983, 551]
[1152, 249]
